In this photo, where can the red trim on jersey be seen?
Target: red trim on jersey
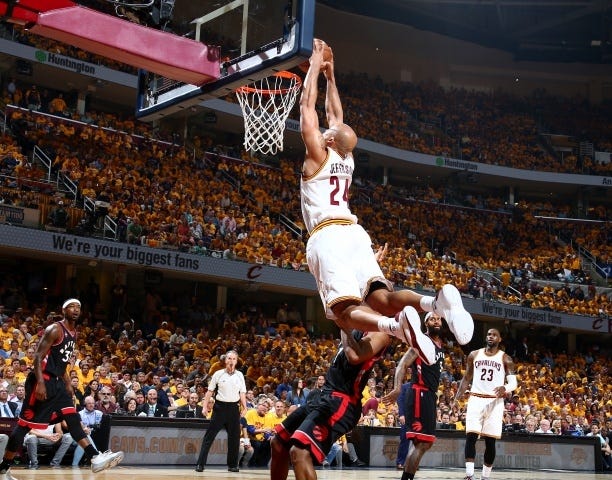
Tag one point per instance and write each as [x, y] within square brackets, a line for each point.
[32, 425]
[68, 410]
[32, 399]
[62, 329]
[419, 364]
[304, 439]
[282, 433]
[338, 414]
[417, 399]
[422, 437]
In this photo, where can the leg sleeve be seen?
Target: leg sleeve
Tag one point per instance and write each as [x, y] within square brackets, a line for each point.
[79, 452]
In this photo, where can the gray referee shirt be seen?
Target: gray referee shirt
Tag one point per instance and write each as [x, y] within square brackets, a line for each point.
[229, 386]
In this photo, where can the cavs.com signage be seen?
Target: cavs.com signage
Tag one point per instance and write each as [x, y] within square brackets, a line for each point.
[167, 445]
[513, 452]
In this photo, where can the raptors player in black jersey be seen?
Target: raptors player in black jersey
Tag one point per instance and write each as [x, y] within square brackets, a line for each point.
[421, 399]
[48, 397]
[306, 435]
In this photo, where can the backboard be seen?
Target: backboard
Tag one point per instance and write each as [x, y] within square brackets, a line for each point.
[253, 38]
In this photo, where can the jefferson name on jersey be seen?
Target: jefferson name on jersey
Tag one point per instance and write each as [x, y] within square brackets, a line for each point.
[342, 168]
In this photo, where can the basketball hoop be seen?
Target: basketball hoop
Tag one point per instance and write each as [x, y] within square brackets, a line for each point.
[265, 106]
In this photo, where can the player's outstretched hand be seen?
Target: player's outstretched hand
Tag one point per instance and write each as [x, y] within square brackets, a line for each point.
[40, 392]
[381, 253]
[391, 397]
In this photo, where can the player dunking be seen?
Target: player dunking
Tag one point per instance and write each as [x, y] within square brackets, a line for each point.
[339, 250]
[48, 398]
[422, 398]
[491, 374]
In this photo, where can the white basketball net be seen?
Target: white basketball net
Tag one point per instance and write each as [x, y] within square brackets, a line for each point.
[265, 107]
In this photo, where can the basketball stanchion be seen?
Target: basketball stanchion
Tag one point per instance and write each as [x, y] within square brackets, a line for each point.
[265, 106]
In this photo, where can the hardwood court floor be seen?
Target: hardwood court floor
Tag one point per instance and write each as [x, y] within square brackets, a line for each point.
[219, 473]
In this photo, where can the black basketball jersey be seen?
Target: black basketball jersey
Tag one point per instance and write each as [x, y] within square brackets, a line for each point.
[428, 375]
[58, 356]
[346, 378]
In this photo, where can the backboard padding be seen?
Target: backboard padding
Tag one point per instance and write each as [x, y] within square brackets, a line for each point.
[273, 36]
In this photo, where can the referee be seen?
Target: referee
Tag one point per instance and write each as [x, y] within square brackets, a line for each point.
[230, 397]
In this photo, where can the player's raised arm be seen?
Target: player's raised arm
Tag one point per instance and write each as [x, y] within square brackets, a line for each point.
[309, 121]
[333, 105]
[400, 373]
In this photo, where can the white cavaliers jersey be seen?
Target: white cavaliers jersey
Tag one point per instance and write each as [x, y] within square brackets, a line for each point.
[489, 372]
[325, 193]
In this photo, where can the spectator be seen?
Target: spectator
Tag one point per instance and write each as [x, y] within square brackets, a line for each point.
[340, 449]
[105, 403]
[283, 388]
[606, 451]
[52, 436]
[91, 419]
[245, 451]
[18, 398]
[3, 442]
[58, 105]
[32, 98]
[192, 409]
[390, 420]
[162, 391]
[92, 388]
[444, 423]
[298, 393]
[151, 408]
[58, 217]
[370, 419]
[130, 409]
[90, 416]
[7, 409]
[11, 89]
[544, 427]
[134, 231]
[260, 431]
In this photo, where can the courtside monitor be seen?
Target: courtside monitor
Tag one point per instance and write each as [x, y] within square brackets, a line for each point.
[251, 40]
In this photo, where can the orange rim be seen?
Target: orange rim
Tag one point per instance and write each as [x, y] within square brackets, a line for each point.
[279, 91]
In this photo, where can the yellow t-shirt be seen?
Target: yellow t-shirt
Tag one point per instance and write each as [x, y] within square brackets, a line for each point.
[254, 419]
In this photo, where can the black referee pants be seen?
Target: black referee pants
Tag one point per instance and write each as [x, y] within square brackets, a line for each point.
[224, 415]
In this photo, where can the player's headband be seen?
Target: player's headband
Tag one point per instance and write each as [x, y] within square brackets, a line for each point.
[69, 301]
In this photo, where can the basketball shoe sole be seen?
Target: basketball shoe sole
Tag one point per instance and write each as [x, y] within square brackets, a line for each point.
[410, 324]
[449, 306]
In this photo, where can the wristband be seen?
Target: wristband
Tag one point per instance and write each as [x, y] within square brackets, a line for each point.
[511, 385]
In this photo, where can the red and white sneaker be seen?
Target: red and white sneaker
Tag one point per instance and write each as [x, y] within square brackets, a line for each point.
[410, 325]
[449, 306]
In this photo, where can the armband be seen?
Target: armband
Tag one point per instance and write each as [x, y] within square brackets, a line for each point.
[511, 385]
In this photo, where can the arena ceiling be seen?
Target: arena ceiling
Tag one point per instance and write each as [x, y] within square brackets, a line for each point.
[533, 30]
